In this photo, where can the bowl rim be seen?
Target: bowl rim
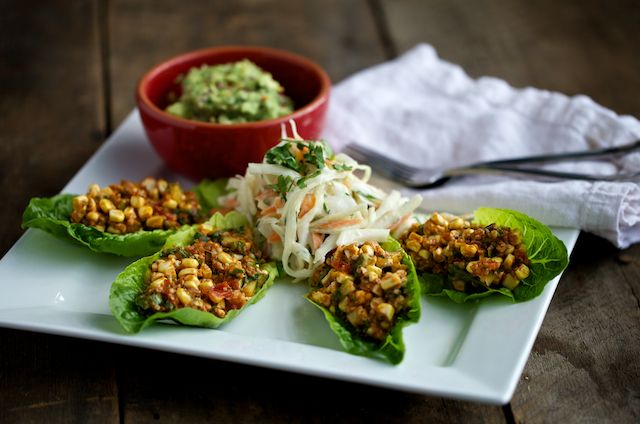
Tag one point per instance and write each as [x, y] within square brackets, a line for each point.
[146, 103]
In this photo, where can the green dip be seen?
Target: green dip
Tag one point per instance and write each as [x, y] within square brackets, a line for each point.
[230, 93]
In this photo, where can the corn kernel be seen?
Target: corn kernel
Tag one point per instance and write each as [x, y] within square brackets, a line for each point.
[225, 258]
[438, 219]
[189, 263]
[106, 205]
[155, 221]
[456, 224]
[249, 289]
[187, 271]
[184, 296]
[205, 285]
[106, 192]
[390, 281]
[162, 185]
[191, 282]
[94, 190]
[170, 204]
[93, 216]
[367, 250]
[113, 229]
[321, 298]
[468, 250]
[510, 281]
[522, 272]
[145, 212]
[413, 245]
[80, 202]
[386, 310]
[508, 261]
[137, 201]
[347, 287]
[157, 284]
[116, 215]
[148, 183]
[206, 228]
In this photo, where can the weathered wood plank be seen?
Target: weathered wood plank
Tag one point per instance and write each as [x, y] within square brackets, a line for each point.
[55, 379]
[576, 47]
[338, 35]
[174, 388]
[51, 123]
[584, 364]
[342, 37]
[50, 102]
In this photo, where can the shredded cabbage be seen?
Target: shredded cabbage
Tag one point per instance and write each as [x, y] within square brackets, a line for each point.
[305, 201]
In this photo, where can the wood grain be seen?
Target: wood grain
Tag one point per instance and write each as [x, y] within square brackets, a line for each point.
[59, 94]
[214, 391]
[50, 103]
[50, 123]
[338, 35]
[343, 38]
[573, 46]
[584, 365]
[55, 379]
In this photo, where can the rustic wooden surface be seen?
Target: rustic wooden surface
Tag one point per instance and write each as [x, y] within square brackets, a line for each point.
[67, 74]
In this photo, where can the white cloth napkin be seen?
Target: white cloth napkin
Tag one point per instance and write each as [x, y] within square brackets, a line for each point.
[427, 112]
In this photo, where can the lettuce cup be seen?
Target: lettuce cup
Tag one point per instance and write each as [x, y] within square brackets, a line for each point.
[125, 219]
[368, 293]
[204, 276]
[499, 251]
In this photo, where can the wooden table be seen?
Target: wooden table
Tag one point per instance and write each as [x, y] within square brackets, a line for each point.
[67, 75]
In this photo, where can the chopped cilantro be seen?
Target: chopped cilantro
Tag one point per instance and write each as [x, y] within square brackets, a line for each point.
[281, 155]
[342, 167]
[302, 182]
[315, 155]
[282, 186]
[367, 196]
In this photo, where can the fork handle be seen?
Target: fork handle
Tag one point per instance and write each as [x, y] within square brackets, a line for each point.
[498, 169]
[587, 154]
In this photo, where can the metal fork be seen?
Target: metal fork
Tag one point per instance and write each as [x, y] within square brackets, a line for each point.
[414, 177]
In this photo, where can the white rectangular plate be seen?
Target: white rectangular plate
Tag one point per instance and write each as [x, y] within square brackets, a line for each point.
[474, 352]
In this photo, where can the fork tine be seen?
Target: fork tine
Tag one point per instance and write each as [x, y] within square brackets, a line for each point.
[381, 163]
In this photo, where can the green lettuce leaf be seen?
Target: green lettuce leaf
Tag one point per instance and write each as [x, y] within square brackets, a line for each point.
[131, 282]
[52, 216]
[548, 256]
[392, 349]
[208, 192]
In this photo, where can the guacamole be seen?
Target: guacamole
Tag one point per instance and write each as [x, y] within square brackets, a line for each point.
[230, 93]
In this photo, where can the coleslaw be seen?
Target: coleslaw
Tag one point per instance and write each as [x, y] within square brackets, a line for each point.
[305, 201]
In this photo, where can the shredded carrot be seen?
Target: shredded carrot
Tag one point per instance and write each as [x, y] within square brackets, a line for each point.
[273, 209]
[265, 194]
[399, 222]
[340, 223]
[273, 237]
[231, 203]
[308, 203]
[316, 240]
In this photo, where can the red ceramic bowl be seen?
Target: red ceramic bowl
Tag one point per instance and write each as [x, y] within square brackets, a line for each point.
[203, 150]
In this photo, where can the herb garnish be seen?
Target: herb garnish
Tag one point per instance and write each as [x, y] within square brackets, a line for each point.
[281, 155]
[342, 167]
[282, 186]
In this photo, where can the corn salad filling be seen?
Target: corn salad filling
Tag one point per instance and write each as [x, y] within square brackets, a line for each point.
[364, 286]
[447, 244]
[217, 273]
[129, 207]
